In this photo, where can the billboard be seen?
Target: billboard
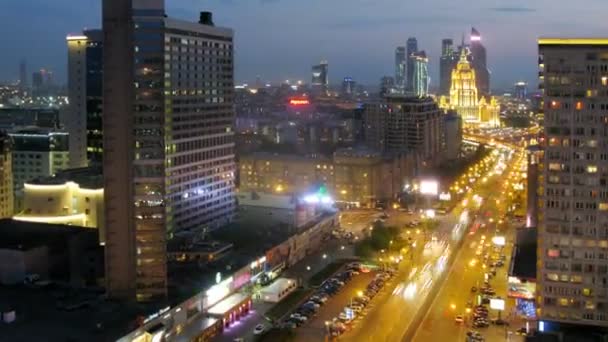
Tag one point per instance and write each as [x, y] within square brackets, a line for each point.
[497, 304]
[429, 187]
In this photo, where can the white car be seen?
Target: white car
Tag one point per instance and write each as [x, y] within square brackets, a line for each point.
[259, 329]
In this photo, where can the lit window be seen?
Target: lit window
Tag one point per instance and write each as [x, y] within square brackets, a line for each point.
[603, 206]
[555, 166]
[589, 305]
[553, 253]
[591, 169]
[605, 80]
[587, 292]
[563, 301]
[579, 105]
[552, 276]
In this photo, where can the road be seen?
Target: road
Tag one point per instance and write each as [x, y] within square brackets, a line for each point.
[468, 271]
[391, 318]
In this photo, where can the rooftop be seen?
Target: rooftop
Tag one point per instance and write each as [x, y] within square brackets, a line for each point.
[21, 235]
[572, 41]
[85, 177]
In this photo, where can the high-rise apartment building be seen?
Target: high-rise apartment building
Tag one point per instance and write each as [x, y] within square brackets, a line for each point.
[320, 77]
[479, 63]
[168, 138]
[405, 123]
[420, 79]
[447, 63]
[400, 68]
[82, 118]
[573, 219]
[411, 48]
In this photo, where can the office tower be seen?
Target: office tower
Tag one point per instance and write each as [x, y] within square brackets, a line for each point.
[168, 138]
[463, 90]
[39, 152]
[411, 48]
[520, 90]
[405, 123]
[478, 60]
[23, 75]
[400, 68]
[420, 79]
[573, 233]
[320, 77]
[387, 85]
[6, 178]
[348, 86]
[447, 63]
[82, 118]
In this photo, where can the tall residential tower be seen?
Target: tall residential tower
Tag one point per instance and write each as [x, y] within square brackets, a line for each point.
[573, 219]
[168, 138]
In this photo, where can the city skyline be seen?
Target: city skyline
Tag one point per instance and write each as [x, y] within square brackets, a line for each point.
[312, 35]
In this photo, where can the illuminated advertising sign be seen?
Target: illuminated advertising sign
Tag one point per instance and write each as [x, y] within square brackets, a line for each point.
[299, 102]
[429, 187]
[218, 291]
[499, 240]
[497, 304]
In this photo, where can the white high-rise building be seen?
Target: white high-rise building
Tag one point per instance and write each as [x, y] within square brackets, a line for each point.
[573, 218]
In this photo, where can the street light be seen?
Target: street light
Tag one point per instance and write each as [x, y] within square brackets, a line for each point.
[324, 256]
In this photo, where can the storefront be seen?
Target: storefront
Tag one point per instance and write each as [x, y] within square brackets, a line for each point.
[231, 309]
[200, 330]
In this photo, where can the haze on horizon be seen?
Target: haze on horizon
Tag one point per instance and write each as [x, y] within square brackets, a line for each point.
[281, 39]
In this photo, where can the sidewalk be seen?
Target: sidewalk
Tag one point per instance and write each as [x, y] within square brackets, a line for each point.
[302, 271]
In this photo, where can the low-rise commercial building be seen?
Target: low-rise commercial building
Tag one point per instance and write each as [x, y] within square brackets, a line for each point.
[353, 176]
[53, 252]
[71, 197]
[37, 153]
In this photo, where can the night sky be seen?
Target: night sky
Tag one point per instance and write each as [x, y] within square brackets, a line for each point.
[281, 39]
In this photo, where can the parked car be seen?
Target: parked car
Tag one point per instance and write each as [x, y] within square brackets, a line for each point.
[259, 329]
[459, 319]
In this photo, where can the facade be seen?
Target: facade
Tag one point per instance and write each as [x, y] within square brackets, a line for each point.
[453, 135]
[479, 63]
[411, 48]
[83, 116]
[447, 63]
[167, 92]
[320, 77]
[38, 153]
[356, 177]
[405, 123]
[573, 218]
[400, 68]
[465, 100]
[420, 80]
[6, 178]
[72, 197]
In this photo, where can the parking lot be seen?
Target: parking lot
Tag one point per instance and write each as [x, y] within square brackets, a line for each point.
[329, 316]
